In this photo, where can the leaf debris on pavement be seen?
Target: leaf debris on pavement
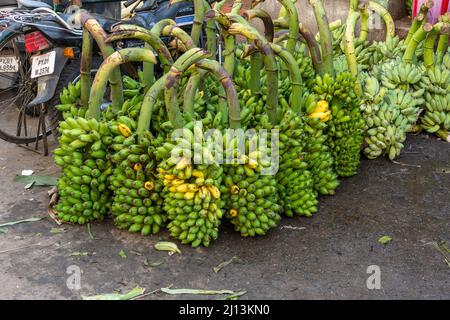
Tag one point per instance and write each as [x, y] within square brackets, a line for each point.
[57, 230]
[385, 240]
[37, 180]
[20, 221]
[152, 264]
[91, 236]
[225, 263]
[122, 254]
[133, 293]
[443, 249]
[197, 291]
[79, 254]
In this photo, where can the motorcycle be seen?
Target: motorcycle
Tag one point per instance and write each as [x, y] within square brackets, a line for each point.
[40, 55]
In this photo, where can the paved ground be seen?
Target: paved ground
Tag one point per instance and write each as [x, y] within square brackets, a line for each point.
[327, 259]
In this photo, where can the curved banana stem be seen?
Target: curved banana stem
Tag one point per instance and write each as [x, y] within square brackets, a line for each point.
[229, 41]
[386, 16]
[124, 31]
[419, 20]
[256, 62]
[418, 37]
[85, 67]
[326, 39]
[160, 25]
[234, 112]
[99, 35]
[179, 34]
[172, 81]
[266, 20]
[292, 15]
[428, 53]
[364, 30]
[150, 98]
[295, 75]
[270, 65]
[108, 66]
[314, 49]
[349, 49]
[442, 46]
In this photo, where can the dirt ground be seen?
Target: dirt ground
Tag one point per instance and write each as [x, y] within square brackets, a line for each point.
[326, 256]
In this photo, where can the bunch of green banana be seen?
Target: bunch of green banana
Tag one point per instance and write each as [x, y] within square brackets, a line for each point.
[69, 98]
[317, 153]
[382, 51]
[396, 74]
[251, 198]
[83, 185]
[436, 81]
[345, 126]
[137, 203]
[386, 115]
[437, 115]
[305, 65]
[192, 197]
[131, 87]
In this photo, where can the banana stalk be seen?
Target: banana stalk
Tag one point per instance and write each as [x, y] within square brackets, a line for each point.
[364, 30]
[418, 37]
[229, 41]
[386, 16]
[428, 53]
[85, 67]
[314, 49]
[214, 67]
[180, 34]
[270, 64]
[110, 64]
[294, 74]
[419, 20]
[349, 49]
[326, 39]
[172, 80]
[442, 46]
[124, 31]
[256, 62]
[100, 36]
[150, 98]
[292, 16]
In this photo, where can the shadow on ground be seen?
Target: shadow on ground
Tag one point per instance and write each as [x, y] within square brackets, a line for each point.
[326, 256]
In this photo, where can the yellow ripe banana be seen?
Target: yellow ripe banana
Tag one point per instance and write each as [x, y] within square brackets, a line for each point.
[182, 188]
[214, 191]
[198, 174]
[234, 189]
[169, 176]
[203, 192]
[322, 106]
[173, 189]
[137, 167]
[192, 187]
[252, 164]
[149, 186]
[177, 182]
[233, 213]
[124, 130]
[183, 163]
[189, 195]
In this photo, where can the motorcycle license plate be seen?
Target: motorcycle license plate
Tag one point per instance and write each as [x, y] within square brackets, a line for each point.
[43, 64]
[9, 64]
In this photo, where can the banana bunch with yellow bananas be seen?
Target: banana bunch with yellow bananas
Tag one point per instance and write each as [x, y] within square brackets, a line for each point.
[317, 153]
[83, 185]
[344, 128]
[386, 120]
[137, 204]
[295, 182]
[192, 197]
[250, 197]
[69, 98]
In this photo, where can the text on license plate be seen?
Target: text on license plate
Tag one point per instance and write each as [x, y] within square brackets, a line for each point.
[9, 64]
[43, 64]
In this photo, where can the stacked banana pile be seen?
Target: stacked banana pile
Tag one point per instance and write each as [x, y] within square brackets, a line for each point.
[192, 199]
[83, 185]
[137, 203]
[317, 153]
[251, 198]
[345, 125]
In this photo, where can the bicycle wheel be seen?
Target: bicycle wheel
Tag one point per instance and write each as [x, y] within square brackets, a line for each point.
[19, 123]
